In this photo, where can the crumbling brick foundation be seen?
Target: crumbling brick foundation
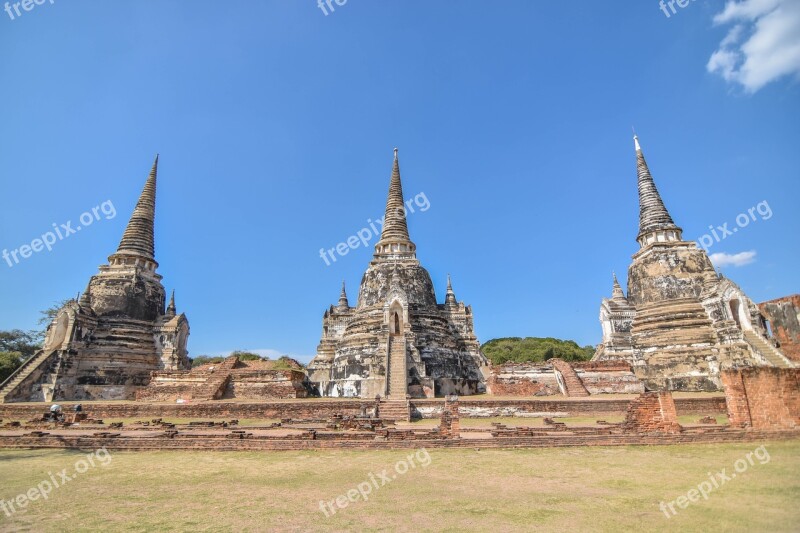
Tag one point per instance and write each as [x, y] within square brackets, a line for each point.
[449, 425]
[763, 398]
[653, 412]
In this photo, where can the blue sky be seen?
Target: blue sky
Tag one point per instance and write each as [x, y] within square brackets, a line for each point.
[276, 124]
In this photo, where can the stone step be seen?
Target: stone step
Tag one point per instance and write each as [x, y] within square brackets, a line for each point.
[398, 380]
[572, 382]
[399, 410]
[772, 355]
[27, 368]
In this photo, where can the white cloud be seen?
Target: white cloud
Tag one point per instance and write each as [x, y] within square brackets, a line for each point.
[742, 258]
[762, 46]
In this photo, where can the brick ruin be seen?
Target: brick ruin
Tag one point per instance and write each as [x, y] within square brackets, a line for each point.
[763, 398]
[653, 411]
[104, 344]
[449, 422]
[783, 315]
[681, 322]
[650, 419]
[231, 379]
[398, 341]
[557, 377]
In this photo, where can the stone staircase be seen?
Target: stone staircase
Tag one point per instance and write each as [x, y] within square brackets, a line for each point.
[396, 410]
[398, 378]
[20, 374]
[215, 385]
[572, 383]
[49, 381]
[766, 350]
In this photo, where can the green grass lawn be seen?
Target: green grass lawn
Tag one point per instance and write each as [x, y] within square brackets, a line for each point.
[558, 489]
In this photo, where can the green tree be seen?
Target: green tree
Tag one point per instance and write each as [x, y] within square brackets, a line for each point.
[25, 343]
[534, 349]
[9, 362]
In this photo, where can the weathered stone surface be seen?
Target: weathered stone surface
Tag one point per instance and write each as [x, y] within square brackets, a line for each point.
[104, 345]
[681, 322]
[608, 377]
[361, 350]
[231, 379]
[541, 379]
[523, 379]
[784, 317]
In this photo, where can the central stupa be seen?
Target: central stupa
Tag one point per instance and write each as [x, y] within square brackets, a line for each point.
[397, 341]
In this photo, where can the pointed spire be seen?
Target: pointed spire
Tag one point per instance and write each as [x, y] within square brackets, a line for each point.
[655, 222]
[171, 309]
[617, 291]
[450, 297]
[343, 303]
[138, 238]
[395, 241]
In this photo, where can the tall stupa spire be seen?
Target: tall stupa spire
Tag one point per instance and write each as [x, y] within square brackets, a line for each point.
[450, 296]
[655, 222]
[343, 303]
[395, 242]
[138, 239]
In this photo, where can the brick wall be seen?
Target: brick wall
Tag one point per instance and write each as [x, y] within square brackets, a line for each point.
[523, 379]
[539, 379]
[266, 384]
[325, 408]
[225, 382]
[346, 440]
[763, 397]
[608, 377]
